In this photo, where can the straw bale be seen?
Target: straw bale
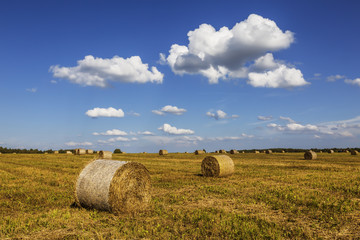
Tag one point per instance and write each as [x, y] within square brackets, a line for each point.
[310, 155]
[114, 186]
[105, 155]
[80, 151]
[256, 152]
[268, 151]
[69, 152]
[56, 152]
[217, 166]
[163, 152]
[354, 152]
[198, 152]
[331, 151]
[89, 151]
[222, 151]
[216, 151]
[233, 151]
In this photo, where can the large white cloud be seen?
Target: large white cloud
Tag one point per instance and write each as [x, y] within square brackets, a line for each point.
[167, 128]
[220, 114]
[170, 109]
[225, 53]
[92, 71]
[105, 112]
[113, 132]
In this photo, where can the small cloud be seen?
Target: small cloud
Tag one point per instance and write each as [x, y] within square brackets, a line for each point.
[73, 144]
[287, 119]
[32, 90]
[148, 133]
[317, 136]
[353, 82]
[105, 112]
[53, 81]
[167, 128]
[135, 114]
[333, 78]
[170, 109]
[317, 75]
[219, 114]
[113, 132]
[264, 118]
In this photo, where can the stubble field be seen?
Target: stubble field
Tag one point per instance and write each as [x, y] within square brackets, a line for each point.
[270, 196]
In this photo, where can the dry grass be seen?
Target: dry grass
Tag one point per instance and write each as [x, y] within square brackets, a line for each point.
[270, 196]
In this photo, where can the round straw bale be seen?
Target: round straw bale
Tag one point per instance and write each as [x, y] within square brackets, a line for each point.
[217, 166]
[56, 152]
[233, 151]
[69, 152]
[331, 151]
[222, 151]
[198, 152]
[89, 151]
[268, 151]
[163, 152]
[354, 152]
[256, 151]
[114, 186]
[310, 155]
[105, 155]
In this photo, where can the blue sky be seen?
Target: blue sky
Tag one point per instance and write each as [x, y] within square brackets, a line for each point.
[150, 75]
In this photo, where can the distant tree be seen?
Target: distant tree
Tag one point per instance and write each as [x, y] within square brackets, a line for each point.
[117, 150]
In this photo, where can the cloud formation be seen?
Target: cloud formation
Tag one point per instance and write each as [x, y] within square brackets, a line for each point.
[333, 78]
[225, 54]
[169, 109]
[264, 118]
[146, 133]
[93, 71]
[33, 90]
[167, 128]
[113, 132]
[73, 144]
[353, 82]
[219, 114]
[105, 112]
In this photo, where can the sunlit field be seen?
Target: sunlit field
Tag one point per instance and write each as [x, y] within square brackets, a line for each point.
[270, 196]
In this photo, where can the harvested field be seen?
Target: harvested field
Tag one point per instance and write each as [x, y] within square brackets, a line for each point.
[269, 196]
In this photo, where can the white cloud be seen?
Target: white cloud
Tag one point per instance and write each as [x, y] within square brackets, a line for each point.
[113, 132]
[92, 71]
[178, 140]
[287, 119]
[264, 118]
[73, 144]
[169, 109]
[353, 82]
[219, 114]
[33, 90]
[333, 78]
[148, 133]
[167, 128]
[53, 81]
[105, 112]
[224, 53]
[281, 77]
[117, 139]
[294, 127]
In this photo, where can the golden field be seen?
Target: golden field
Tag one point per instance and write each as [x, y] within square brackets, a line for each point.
[270, 196]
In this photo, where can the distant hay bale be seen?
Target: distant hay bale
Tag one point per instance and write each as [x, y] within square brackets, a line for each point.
[198, 152]
[310, 155]
[80, 151]
[320, 152]
[222, 151]
[331, 151]
[217, 166]
[268, 151]
[89, 151]
[233, 151]
[216, 151]
[114, 186]
[243, 151]
[186, 152]
[144, 152]
[354, 152]
[283, 151]
[256, 152]
[105, 155]
[163, 152]
[69, 152]
[56, 152]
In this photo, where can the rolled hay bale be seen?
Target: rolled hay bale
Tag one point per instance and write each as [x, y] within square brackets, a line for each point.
[80, 151]
[222, 151]
[114, 186]
[256, 152]
[89, 151]
[163, 152]
[320, 152]
[69, 152]
[198, 152]
[105, 155]
[310, 155]
[243, 151]
[283, 151]
[331, 151]
[233, 151]
[216, 151]
[268, 151]
[217, 166]
[354, 152]
[56, 152]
